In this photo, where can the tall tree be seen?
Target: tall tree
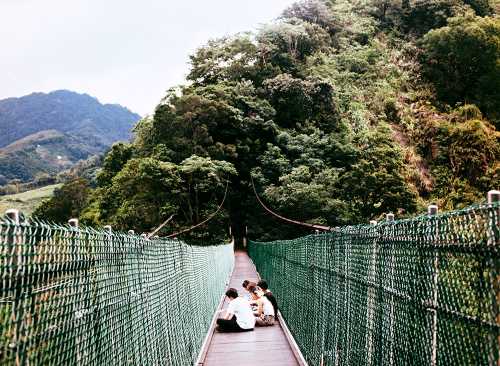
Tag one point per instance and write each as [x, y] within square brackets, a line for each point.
[463, 62]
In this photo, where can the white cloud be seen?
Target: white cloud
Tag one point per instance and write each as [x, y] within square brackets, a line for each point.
[121, 51]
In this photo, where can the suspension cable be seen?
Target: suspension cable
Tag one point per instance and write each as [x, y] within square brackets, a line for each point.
[204, 221]
[290, 221]
[161, 226]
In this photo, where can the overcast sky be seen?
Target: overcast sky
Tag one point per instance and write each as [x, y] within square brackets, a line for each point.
[120, 51]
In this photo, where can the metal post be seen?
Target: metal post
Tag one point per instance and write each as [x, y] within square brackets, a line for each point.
[78, 309]
[494, 197]
[432, 210]
[390, 219]
[14, 215]
[21, 294]
[370, 304]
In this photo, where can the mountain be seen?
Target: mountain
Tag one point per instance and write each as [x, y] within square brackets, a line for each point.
[47, 133]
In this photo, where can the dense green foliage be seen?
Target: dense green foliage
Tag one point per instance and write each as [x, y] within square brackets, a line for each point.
[49, 133]
[463, 60]
[67, 202]
[340, 110]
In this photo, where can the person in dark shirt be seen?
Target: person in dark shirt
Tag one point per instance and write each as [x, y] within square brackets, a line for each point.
[267, 293]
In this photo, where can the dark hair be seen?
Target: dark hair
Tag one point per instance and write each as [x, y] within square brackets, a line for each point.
[250, 284]
[232, 293]
[245, 283]
[263, 285]
[252, 288]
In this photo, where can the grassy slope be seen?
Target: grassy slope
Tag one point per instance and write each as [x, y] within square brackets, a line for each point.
[26, 201]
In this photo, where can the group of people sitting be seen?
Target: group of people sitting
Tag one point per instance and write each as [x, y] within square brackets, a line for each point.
[258, 307]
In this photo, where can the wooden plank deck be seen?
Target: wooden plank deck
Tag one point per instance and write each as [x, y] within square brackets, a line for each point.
[265, 346]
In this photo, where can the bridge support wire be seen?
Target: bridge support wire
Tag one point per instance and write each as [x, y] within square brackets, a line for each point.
[290, 221]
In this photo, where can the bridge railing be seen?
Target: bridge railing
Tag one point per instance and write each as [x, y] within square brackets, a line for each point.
[424, 291]
[78, 296]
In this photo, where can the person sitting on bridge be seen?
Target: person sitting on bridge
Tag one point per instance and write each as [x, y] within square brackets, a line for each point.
[246, 284]
[248, 296]
[265, 314]
[239, 316]
[267, 293]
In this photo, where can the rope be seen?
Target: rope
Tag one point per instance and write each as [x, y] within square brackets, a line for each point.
[290, 221]
[160, 227]
[204, 221]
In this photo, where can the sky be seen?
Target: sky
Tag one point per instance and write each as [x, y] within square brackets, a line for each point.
[121, 51]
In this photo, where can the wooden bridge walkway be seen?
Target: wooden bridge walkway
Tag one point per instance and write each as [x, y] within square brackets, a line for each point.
[265, 346]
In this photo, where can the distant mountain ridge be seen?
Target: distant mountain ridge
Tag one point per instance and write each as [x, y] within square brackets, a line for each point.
[67, 112]
[47, 133]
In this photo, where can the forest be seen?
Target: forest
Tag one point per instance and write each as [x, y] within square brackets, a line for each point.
[341, 111]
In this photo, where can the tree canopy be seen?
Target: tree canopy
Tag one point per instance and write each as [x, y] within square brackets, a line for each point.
[340, 111]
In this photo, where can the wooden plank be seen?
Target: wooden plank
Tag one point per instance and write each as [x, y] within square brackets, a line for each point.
[257, 358]
[248, 362]
[252, 339]
[263, 346]
[257, 347]
[208, 339]
[295, 347]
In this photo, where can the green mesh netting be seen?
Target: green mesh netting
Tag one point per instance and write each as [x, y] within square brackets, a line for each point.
[86, 297]
[424, 291]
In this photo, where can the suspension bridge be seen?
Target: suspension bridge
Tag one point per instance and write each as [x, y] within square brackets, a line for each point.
[420, 291]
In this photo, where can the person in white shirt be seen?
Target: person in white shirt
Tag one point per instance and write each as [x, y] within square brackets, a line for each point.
[265, 315]
[239, 316]
[247, 295]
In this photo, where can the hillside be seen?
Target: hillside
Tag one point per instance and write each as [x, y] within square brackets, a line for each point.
[340, 111]
[44, 152]
[26, 202]
[47, 133]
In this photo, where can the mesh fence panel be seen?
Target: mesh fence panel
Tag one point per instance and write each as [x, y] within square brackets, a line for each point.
[424, 291]
[84, 297]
